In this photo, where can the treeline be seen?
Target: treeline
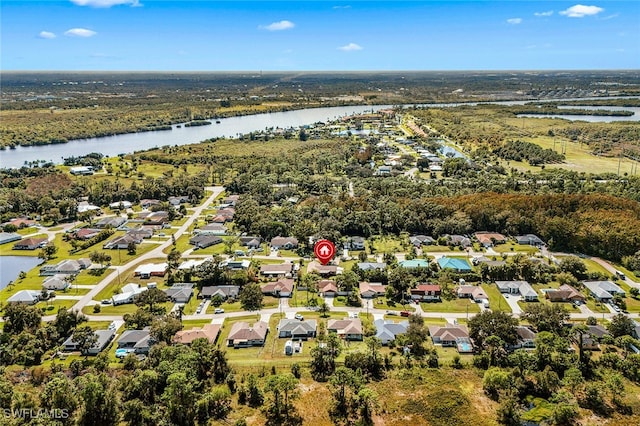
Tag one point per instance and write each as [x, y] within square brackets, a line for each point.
[534, 154]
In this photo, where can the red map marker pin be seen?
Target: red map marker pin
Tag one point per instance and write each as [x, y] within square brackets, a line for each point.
[324, 251]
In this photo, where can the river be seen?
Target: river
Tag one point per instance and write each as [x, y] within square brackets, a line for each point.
[228, 127]
[11, 266]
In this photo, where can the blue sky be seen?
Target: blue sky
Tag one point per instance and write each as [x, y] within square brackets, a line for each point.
[326, 35]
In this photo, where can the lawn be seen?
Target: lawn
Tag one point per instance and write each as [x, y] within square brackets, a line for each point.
[515, 248]
[496, 302]
[387, 244]
[450, 306]
[128, 308]
[53, 305]
[633, 305]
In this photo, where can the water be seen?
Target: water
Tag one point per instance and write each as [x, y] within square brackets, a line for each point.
[11, 266]
[446, 149]
[228, 127]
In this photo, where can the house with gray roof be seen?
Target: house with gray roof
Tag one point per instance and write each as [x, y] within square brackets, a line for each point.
[224, 291]
[421, 240]
[530, 239]
[65, 267]
[56, 282]
[104, 338]
[387, 330]
[9, 237]
[522, 288]
[372, 266]
[139, 341]
[347, 329]
[180, 292]
[604, 291]
[296, 329]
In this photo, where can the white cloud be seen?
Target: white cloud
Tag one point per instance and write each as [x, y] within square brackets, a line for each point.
[342, 7]
[46, 34]
[580, 11]
[514, 21]
[105, 3]
[278, 26]
[542, 14]
[80, 32]
[351, 47]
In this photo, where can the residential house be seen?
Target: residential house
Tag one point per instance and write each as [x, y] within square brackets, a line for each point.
[160, 217]
[327, 288]
[387, 330]
[489, 239]
[104, 338]
[280, 288]
[56, 283]
[250, 241]
[371, 290]
[459, 240]
[177, 200]
[25, 297]
[191, 264]
[236, 264]
[347, 329]
[141, 233]
[180, 292]
[211, 229]
[456, 264]
[286, 243]
[21, 222]
[231, 200]
[426, 292]
[414, 263]
[277, 270]
[243, 335]
[138, 341]
[522, 288]
[323, 270]
[120, 205]
[564, 293]
[209, 332]
[530, 239]
[228, 213]
[223, 291]
[30, 244]
[65, 267]
[371, 266]
[122, 242]
[110, 222]
[296, 329]
[451, 335]
[127, 294]
[86, 233]
[421, 240]
[149, 270]
[9, 237]
[81, 170]
[594, 336]
[204, 240]
[526, 338]
[487, 261]
[147, 203]
[474, 292]
[354, 243]
[604, 291]
[84, 206]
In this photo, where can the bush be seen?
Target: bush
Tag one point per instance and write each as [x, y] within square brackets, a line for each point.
[96, 309]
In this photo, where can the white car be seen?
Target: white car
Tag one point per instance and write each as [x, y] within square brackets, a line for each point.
[218, 311]
[299, 317]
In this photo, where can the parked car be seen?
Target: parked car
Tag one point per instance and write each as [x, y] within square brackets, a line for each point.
[405, 313]
[218, 311]
[392, 313]
[106, 301]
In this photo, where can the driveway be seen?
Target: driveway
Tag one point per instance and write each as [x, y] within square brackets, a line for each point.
[512, 300]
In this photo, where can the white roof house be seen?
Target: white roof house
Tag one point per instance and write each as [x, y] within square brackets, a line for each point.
[28, 297]
[56, 282]
[129, 292]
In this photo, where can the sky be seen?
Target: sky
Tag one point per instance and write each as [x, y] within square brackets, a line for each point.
[165, 35]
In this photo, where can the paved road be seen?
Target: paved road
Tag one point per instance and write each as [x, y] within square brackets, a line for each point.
[155, 253]
[610, 268]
